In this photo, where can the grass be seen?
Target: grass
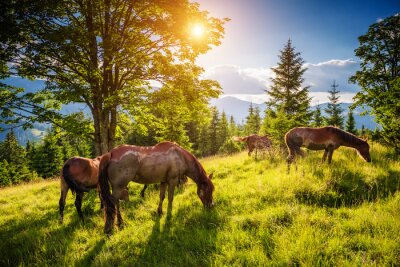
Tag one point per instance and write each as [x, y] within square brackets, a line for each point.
[344, 214]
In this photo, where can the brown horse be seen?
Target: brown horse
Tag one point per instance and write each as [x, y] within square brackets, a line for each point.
[80, 175]
[326, 138]
[254, 142]
[163, 163]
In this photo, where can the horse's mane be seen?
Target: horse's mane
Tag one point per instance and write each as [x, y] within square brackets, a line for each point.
[346, 136]
[195, 163]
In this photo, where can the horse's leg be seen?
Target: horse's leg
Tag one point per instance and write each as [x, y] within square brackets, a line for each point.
[330, 155]
[171, 188]
[163, 187]
[142, 192]
[61, 203]
[324, 156]
[289, 161]
[78, 204]
[101, 200]
[120, 222]
[250, 151]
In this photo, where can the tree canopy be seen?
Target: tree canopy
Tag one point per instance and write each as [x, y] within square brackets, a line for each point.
[100, 52]
[379, 75]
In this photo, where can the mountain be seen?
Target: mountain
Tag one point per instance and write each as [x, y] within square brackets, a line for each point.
[239, 110]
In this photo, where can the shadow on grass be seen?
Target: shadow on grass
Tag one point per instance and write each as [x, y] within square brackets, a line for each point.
[187, 238]
[38, 239]
[347, 187]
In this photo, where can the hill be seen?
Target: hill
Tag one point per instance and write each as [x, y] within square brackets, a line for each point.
[345, 214]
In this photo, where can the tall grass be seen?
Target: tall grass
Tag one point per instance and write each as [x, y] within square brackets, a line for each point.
[346, 213]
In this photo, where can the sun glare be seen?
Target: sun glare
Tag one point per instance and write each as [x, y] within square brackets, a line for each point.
[197, 30]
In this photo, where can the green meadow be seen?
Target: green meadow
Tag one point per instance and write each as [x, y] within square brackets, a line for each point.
[343, 214]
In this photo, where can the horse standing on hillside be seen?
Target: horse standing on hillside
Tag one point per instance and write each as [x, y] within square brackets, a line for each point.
[254, 142]
[163, 163]
[325, 138]
[80, 175]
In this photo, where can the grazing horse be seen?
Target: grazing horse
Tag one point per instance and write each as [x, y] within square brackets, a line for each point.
[325, 138]
[254, 142]
[163, 163]
[80, 175]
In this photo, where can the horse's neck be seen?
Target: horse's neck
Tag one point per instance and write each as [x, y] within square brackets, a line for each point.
[355, 145]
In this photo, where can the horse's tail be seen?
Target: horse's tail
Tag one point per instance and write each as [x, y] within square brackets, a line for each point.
[293, 148]
[239, 139]
[70, 180]
[107, 198]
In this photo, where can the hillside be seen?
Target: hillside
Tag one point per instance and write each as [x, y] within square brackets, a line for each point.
[343, 214]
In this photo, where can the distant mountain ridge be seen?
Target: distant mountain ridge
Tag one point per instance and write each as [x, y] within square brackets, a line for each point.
[239, 110]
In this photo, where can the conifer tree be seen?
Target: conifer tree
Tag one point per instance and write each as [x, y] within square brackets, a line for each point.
[232, 126]
[351, 123]
[213, 132]
[223, 130]
[333, 109]
[318, 119]
[287, 96]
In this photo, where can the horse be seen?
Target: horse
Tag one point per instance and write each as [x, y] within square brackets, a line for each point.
[163, 163]
[326, 138]
[254, 142]
[80, 175]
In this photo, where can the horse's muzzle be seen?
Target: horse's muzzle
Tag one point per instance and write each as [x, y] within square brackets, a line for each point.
[209, 205]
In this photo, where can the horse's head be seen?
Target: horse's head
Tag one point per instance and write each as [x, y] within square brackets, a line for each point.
[205, 190]
[363, 150]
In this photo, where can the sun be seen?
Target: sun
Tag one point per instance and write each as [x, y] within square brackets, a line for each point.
[198, 30]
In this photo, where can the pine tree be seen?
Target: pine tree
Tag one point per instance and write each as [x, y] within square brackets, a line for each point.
[232, 126]
[223, 130]
[318, 119]
[351, 123]
[257, 120]
[213, 132]
[286, 95]
[334, 110]
[50, 156]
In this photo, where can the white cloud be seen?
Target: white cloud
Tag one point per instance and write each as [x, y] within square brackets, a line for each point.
[250, 83]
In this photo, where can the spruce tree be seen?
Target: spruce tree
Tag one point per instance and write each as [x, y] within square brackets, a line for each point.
[223, 130]
[213, 132]
[287, 96]
[351, 123]
[318, 119]
[232, 126]
[334, 110]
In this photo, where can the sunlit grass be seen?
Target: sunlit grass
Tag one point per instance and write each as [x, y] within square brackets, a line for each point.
[347, 213]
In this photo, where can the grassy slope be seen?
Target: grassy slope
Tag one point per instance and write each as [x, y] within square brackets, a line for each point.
[344, 214]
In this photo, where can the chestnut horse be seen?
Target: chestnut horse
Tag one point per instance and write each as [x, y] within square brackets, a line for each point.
[80, 175]
[163, 163]
[254, 142]
[325, 138]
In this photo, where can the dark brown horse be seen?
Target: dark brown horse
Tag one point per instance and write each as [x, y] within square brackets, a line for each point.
[254, 142]
[326, 138]
[80, 175]
[164, 163]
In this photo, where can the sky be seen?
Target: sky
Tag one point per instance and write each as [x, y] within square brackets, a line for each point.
[324, 32]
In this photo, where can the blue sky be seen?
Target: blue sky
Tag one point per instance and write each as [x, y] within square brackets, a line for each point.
[325, 32]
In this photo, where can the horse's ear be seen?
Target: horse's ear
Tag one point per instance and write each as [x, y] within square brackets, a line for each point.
[366, 138]
[211, 175]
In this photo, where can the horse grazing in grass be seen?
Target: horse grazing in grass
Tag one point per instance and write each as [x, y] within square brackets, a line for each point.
[254, 142]
[163, 163]
[325, 138]
[80, 175]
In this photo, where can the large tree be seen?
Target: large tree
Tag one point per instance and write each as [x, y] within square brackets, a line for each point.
[287, 95]
[333, 110]
[101, 52]
[379, 75]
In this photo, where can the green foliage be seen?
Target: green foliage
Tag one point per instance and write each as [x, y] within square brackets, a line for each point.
[379, 76]
[318, 119]
[289, 101]
[229, 147]
[351, 123]
[253, 121]
[334, 111]
[223, 130]
[100, 52]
